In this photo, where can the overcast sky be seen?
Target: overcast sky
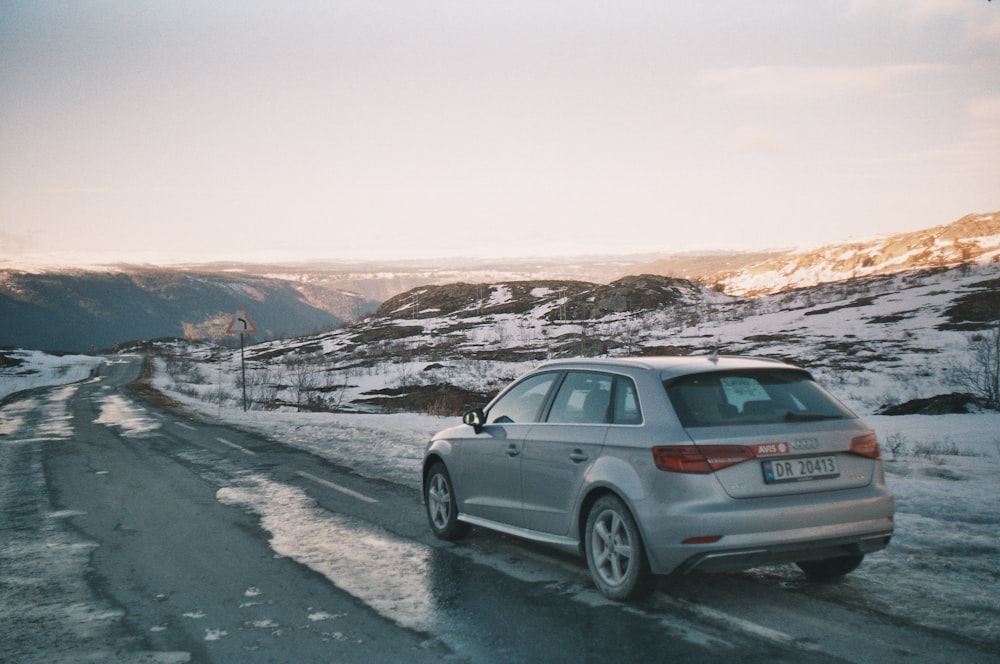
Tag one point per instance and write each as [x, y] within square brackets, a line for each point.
[192, 130]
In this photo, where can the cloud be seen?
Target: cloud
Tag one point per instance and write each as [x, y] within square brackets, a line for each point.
[986, 109]
[983, 136]
[985, 32]
[913, 11]
[13, 243]
[980, 20]
[157, 191]
[755, 139]
[808, 83]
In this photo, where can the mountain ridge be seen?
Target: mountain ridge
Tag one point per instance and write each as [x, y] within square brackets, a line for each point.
[440, 349]
[975, 238]
[84, 311]
[78, 309]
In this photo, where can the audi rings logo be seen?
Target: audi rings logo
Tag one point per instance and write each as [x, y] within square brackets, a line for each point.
[801, 444]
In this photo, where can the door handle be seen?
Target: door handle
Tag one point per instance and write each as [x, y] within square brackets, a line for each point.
[578, 456]
[513, 451]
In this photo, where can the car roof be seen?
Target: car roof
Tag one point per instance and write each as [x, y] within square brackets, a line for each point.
[671, 366]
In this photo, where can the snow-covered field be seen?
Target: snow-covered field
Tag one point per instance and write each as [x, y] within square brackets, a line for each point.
[875, 343]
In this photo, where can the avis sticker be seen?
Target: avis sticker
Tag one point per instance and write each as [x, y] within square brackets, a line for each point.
[770, 449]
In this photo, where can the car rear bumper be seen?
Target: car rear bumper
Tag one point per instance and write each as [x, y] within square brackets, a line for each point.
[720, 561]
[767, 531]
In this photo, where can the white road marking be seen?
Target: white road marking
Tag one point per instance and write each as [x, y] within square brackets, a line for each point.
[336, 487]
[237, 447]
[738, 623]
[44, 439]
[185, 426]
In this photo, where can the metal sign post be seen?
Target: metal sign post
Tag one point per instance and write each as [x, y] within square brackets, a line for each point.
[241, 324]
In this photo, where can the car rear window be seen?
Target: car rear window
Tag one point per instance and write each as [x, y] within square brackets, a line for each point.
[727, 398]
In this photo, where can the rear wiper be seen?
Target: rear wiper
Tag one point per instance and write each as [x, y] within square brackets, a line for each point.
[809, 417]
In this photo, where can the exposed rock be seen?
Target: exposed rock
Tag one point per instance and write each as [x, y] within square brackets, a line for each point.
[477, 299]
[639, 293]
[976, 310]
[943, 404]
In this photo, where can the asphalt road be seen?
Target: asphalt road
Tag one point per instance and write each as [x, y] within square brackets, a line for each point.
[133, 533]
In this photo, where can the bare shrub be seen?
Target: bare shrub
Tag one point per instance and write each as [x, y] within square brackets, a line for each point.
[980, 376]
[945, 448]
[895, 444]
[261, 391]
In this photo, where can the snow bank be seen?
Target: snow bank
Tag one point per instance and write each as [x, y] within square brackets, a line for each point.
[27, 369]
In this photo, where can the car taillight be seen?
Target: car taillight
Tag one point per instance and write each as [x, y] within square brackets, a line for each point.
[699, 460]
[866, 446]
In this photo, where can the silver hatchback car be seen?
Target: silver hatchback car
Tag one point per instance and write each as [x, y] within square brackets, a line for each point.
[657, 466]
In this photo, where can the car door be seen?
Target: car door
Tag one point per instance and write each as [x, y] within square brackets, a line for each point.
[559, 450]
[489, 476]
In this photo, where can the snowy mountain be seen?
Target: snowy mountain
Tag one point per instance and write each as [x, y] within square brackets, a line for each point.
[972, 239]
[879, 341]
[74, 309]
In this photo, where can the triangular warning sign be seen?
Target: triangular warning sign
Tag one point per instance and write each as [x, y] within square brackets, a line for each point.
[241, 323]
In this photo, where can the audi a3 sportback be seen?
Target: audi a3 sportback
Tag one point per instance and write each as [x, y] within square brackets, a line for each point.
[657, 466]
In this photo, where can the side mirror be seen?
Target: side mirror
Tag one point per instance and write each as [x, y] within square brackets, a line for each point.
[475, 418]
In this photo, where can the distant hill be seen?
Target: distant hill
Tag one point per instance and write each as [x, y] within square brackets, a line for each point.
[705, 267]
[75, 309]
[974, 238]
[80, 310]
[377, 281]
[552, 300]
[879, 341]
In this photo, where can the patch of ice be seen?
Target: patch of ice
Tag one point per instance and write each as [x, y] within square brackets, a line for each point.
[116, 411]
[323, 615]
[267, 623]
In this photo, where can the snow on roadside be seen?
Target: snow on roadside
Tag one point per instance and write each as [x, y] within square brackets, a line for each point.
[27, 369]
[385, 446]
[941, 569]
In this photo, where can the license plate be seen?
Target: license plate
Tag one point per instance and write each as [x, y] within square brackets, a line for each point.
[797, 470]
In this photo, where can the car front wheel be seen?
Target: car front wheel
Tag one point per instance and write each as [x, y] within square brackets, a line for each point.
[615, 554]
[830, 568]
[442, 506]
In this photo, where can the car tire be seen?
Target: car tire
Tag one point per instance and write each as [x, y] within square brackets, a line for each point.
[615, 553]
[830, 568]
[441, 504]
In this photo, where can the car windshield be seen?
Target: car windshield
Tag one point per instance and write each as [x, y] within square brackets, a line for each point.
[768, 396]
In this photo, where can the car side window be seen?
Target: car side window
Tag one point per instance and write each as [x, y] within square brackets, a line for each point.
[523, 402]
[626, 402]
[584, 397]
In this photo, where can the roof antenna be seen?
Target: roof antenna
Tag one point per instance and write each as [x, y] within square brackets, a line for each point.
[714, 357]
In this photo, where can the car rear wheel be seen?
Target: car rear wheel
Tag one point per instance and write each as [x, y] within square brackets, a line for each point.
[830, 568]
[442, 506]
[615, 553]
